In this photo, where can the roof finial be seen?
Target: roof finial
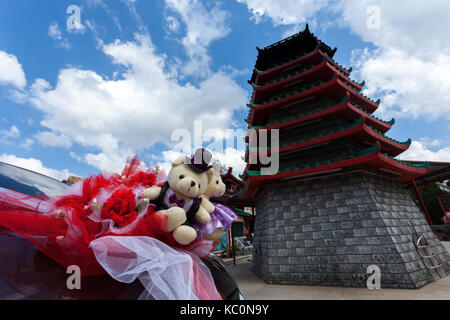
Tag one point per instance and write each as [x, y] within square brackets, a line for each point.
[307, 29]
[259, 49]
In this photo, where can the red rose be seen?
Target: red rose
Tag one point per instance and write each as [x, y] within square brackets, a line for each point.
[120, 207]
[146, 179]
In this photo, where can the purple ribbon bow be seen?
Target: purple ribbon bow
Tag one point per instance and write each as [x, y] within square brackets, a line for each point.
[173, 199]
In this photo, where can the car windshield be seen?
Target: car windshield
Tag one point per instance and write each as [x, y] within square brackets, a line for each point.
[29, 182]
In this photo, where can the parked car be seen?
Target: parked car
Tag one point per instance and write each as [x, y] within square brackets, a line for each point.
[27, 273]
[29, 182]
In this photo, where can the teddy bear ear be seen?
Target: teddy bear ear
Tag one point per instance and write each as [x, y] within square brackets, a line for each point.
[179, 161]
[211, 173]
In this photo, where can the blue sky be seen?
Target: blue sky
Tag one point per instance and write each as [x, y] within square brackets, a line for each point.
[77, 101]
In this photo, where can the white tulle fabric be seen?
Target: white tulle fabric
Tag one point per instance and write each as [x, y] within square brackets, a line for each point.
[165, 272]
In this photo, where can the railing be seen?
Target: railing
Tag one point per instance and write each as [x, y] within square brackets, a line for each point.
[303, 114]
[286, 76]
[315, 136]
[324, 162]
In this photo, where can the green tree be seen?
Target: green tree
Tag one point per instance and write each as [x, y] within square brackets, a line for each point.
[429, 194]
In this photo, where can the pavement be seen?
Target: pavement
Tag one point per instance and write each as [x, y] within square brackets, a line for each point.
[254, 288]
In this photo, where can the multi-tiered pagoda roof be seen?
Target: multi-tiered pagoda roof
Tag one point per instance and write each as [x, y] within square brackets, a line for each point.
[326, 123]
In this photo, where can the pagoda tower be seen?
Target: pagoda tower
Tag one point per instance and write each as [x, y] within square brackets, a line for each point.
[337, 203]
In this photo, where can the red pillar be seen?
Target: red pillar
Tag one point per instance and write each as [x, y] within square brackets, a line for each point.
[424, 207]
[444, 211]
[232, 246]
[232, 242]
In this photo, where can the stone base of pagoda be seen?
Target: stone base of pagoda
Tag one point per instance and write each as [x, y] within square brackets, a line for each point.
[328, 231]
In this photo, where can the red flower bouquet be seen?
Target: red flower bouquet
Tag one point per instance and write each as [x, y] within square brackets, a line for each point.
[141, 178]
[120, 207]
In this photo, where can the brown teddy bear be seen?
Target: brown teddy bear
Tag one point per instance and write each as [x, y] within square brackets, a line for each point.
[179, 198]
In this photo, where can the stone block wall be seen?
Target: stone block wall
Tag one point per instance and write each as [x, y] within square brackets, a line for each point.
[328, 231]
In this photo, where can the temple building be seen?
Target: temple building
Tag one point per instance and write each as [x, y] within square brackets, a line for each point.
[337, 203]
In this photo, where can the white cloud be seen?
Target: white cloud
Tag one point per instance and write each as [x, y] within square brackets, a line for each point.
[13, 136]
[203, 26]
[52, 139]
[13, 132]
[168, 157]
[11, 72]
[420, 151]
[144, 106]
[408, 85]
[55, 33]
[409, 68]
[135, 15]
[27, 143]
[284, 12]
[172, 24]
[102, 4]
[232, 158]
[36, 166]
[110, 161]
[416, 26]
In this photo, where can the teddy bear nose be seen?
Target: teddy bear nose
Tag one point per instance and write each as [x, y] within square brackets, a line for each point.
[192, 183]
